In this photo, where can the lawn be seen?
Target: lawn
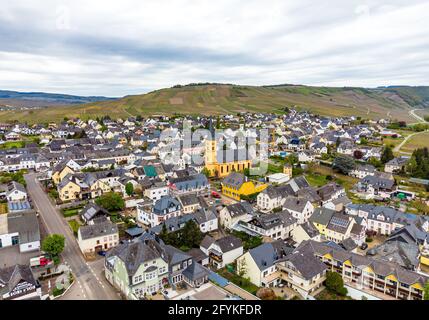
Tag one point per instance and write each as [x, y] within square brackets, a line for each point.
[239, 281]
[70, 212]
[12, 144]
[74, 225]
[329, 295]
[420, 140]
[319, 173]
[3, 208]
[316, 179]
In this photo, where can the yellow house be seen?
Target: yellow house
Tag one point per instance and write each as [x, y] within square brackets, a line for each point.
[287, 169]
[321, 218]
[221, 163]
[60, 172]
[236, 185]
[68, 190]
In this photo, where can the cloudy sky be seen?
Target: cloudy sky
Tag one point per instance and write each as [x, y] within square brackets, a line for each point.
[115, 48]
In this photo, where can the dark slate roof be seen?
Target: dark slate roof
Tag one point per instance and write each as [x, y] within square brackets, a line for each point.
[234, 180]
[229, 243]
[25, 223]
[133, 254]
[239, 209]
[10, 277]
[98, 229]
[195, 271]
[91, 210]
[322, 216]
[267, 254]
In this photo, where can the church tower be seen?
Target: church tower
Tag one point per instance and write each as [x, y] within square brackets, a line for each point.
[211, 147]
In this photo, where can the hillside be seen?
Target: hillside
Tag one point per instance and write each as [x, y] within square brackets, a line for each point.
[394, 102]
[42, 99]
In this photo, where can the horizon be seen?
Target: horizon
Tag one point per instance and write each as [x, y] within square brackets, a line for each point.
[113, 50]
[207, 83]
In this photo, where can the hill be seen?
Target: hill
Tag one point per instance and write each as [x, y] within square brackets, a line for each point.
[41, 99]
[394, 102]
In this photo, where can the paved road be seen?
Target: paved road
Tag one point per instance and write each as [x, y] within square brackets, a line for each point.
[413, 114]
[90, 285]
[399, 146]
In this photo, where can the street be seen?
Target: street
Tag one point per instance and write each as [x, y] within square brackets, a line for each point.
[90, 285]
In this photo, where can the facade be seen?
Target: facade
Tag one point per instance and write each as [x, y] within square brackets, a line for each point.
[236, 185]
[101, 236]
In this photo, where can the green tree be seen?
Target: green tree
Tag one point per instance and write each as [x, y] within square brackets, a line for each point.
[111, 202]
[343, 164]
[335, 283]
[426, 291]
[53, 244]
[205, 172]
[387, 154]
[129, 189]
[191, 234]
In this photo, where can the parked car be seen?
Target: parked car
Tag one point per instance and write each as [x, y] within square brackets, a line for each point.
[364, 246]
[102, 253]
[215, 195]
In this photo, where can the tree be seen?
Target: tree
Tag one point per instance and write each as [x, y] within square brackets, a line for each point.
[387, 154]
[53, 244]
[129, 189]
[191, 234]
[426, 291]
[111, 202]
[335, 283]
[206, 172]
[358, 154]
[343, 164]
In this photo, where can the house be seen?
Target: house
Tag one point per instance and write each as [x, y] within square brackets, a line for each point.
[338, 204]
[273, 197]
[259, 264]
[231, 214]
[369, 274]
[275, 225]
[92, 211]
[21, 229]
[237, 185]
[302, 271]
[330, 191]
[193, 183]
[100, 236]
[304, 232]
[372, 187]
[361, 171]
[163, 209]
[137, 269]
[278, 178]
[16, 192]
[189, 202]
[206, 219]
[339, 228]
[300, 208]
[222, 251]
[157, 190]
[306, 156]
[146, 266]
[396, 165]
[18, 283]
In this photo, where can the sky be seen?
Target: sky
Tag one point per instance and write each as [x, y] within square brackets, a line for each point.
[117, 48]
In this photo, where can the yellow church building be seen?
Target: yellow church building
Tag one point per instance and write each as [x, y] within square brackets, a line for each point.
[220, 163]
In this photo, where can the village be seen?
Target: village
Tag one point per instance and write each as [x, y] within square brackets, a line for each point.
[104, 209]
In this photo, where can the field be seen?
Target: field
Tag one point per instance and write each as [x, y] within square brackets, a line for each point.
[212, 99]
[419, 140]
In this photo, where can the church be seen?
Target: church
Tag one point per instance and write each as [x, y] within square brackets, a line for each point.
[220, 162]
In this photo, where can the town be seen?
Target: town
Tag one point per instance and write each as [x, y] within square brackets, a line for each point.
[286, 206]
